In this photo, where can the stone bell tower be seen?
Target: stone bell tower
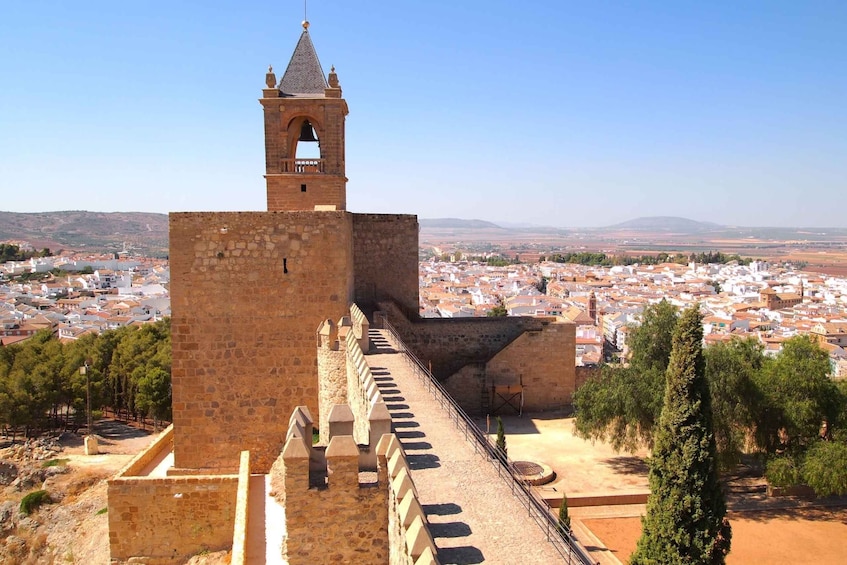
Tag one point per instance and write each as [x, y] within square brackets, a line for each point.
[304, 109]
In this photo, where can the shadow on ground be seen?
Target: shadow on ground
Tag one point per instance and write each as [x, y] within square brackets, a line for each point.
[111, 431]
[464, 555]
[627, 464]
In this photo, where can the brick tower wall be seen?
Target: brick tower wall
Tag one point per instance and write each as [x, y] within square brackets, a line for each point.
[385, 255]
[243, 329]
[285, 192]
[325, 185]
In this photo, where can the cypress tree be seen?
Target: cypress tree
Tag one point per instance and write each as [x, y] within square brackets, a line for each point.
[501, 438]
[564, 517]
[685, 512]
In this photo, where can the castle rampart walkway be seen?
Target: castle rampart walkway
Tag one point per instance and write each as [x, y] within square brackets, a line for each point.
[473, 515]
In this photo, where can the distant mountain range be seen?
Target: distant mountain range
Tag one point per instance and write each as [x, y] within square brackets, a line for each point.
[455, 223]
[651, 224]
[79, 230]
[147, 233]
[665, 223]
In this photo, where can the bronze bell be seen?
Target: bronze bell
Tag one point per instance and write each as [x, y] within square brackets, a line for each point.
[306, 132]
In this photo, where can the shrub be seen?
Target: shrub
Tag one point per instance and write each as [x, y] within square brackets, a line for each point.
[33, 500]
[54, 463]
[782, 472]
[824, 468]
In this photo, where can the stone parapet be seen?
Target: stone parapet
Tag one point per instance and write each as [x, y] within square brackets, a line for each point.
[410, 541]
[371, 416]
[166, 520]
[332, 374]
[164, 442]
[361, 327]
[532, 359]
[242, 516]
[338, 519]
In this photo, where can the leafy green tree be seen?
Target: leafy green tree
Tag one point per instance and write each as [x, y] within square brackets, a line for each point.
[798, 397]
[501, 439]
[41, 386]
[154, 395]
[782, 471]
[685, 512]
[499, 310]
[825, 468]
[731, 369]
[716, 285]
[623, 404]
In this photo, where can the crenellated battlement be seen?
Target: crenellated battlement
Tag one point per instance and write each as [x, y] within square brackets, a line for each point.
[345, 378]
[410, 540]
[337, 511]
[361, 326]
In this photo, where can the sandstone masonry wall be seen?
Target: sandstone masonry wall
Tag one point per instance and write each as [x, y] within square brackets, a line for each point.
[470, 356]
[248, 290]
[169, 519]
[468, 386]
[410, 541]
[544, 362]
[332, 375]
[585, 373]
[138, 463]
[242, 514]
[371, 418]
[385, 255]
[450, 344]
[340, 521]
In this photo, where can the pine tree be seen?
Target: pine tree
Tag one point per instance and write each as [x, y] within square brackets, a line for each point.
[564, 518]
[685, 512]
[501, 439]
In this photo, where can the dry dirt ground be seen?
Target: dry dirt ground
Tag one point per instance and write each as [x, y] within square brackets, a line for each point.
[797, 536]
[73, 527]
[802, 533]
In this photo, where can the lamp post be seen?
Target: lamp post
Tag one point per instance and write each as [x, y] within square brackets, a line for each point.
[90, 441]
[84, 371]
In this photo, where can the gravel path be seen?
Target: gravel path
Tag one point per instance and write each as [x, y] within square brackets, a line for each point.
[472, 514]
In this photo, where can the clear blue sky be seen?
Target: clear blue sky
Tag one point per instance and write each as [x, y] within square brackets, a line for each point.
[550, 112]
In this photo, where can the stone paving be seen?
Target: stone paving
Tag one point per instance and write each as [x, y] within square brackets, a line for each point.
[473, 515]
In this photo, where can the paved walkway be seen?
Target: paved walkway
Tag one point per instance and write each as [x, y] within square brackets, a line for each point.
[266, 524]
[473, 515]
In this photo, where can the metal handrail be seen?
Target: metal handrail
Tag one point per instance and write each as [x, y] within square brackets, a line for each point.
[562, 539]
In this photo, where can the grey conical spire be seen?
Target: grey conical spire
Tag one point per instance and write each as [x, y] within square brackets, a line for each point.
[304, 74]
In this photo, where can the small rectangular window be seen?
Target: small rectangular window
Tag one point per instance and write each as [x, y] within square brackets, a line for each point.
[302, 188]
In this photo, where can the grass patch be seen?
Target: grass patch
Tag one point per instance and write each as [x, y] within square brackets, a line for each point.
[54, 463]
[33, 500]
[102, 511]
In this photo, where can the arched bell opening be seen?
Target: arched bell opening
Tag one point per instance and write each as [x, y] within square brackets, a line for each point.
[305, 147]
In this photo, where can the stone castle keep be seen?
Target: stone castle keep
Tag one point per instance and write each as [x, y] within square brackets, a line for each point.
[269, 333]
